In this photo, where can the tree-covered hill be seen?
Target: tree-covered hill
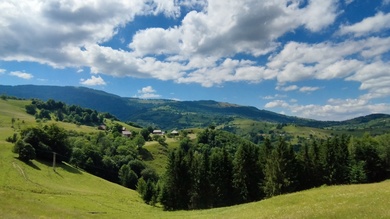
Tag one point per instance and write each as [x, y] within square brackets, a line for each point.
[169, 114]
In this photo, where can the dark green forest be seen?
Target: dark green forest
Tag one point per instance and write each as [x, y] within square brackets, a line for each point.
[220, 170]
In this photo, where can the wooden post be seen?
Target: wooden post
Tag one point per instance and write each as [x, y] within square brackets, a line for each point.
[54, 161]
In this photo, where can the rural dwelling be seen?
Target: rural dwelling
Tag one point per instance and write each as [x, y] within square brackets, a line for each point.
[174, 132]
[158, 132]
[126, 134]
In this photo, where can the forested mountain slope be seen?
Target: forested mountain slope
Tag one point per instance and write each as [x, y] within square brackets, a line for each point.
[164, 114]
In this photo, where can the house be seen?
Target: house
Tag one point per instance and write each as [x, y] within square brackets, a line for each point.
[174, 132]
[126, 134]
[158, 132]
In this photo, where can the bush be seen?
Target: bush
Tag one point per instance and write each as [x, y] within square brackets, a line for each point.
[25, 150]
[27, 153]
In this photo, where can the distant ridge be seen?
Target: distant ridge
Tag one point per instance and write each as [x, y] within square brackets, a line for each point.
[166, 114]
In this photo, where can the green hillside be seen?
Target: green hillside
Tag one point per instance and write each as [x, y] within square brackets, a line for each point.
[35, 190]
[171, 114]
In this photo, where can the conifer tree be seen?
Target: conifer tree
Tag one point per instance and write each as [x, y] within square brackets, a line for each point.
[280, 170]
[200, 184]
[247, 173]
[316, 159]
[177, 182]
[221, 168]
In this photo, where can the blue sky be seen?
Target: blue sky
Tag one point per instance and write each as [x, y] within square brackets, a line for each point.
[319, 59]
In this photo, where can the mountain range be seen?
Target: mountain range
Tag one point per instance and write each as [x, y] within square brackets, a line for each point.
[166, 114]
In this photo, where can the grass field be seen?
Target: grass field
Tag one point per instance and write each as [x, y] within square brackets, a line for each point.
[35, 190]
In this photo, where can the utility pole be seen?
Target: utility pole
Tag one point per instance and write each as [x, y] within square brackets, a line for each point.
[54, 161]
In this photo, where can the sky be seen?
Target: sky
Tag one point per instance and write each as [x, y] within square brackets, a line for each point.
[317, 59]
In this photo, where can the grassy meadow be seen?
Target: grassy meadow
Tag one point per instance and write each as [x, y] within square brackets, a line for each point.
[35, 190]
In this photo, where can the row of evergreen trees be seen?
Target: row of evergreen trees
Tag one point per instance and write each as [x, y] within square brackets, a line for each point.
[205, 174]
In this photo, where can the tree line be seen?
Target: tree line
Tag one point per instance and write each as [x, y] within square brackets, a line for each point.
[106, 154]
[60, 111]
[217, 168]
[207, 173]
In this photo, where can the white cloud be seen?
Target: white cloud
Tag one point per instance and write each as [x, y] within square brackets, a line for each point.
[375, 78]
[272, 97]
[2, 71]
[147, 89]
[147, 93]
[319, 14]
[367, 26]
[335, 109]
[59, 29]
[358, 61]
[277, 103]
[23, 75]
[307, 89]
[288, 88]
[69, 34]
[204, 47]
[93, 81]
[230, 27]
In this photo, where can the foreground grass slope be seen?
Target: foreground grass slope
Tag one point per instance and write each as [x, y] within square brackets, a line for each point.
[36, 191]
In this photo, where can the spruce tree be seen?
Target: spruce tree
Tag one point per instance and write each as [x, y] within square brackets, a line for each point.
[247, 173]
[221, 177]
[280, 170]
[177, 182]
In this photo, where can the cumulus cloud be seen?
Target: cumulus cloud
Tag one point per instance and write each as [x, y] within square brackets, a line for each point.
[367, 26]
[22, 75]
[358, 61]
[277, 103]
[93, 81]
[147, 93]
[2, 71]
[205, 46]
[335, 109]
[70, 33]
[375, 78]
[230, 27]
[59, 30]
